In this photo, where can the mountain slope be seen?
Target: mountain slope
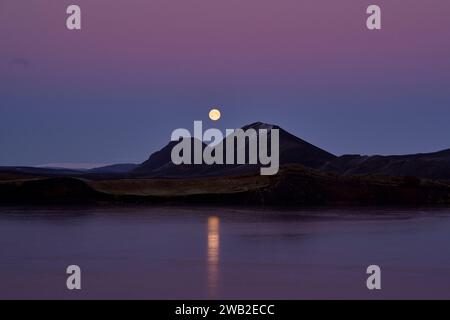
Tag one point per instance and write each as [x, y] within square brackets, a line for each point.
[296, 150]
[159, 164]
[434, 166]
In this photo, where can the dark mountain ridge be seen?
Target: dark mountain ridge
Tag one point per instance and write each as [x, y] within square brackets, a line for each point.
[308, 175]
[435, 166]
[293, 150]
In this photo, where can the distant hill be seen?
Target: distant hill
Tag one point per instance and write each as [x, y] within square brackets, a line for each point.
[40, 171]
[434, 166]
[115, 168]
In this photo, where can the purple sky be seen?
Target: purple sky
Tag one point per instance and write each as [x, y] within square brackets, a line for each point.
[141, 68]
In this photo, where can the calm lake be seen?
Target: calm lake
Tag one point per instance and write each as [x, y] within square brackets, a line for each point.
[224, 253]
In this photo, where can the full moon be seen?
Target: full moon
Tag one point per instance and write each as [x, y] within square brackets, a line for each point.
[214, 114]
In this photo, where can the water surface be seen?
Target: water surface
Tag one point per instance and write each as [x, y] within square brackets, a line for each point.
[224, 253]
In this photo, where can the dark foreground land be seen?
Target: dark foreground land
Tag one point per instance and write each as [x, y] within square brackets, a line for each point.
[293, 185]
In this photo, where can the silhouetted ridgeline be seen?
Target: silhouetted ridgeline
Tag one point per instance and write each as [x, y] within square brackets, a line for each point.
[434, 166]
[308, 176]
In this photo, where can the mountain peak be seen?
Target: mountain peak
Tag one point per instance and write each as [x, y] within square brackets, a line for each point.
[260, 126]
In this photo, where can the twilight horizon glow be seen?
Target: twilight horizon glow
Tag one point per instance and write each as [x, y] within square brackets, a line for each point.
[114, 91]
